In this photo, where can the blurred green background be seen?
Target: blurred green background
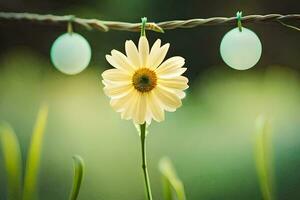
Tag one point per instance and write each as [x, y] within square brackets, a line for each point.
[209, 139]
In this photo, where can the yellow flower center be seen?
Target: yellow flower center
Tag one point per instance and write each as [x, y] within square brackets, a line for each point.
[144, 80]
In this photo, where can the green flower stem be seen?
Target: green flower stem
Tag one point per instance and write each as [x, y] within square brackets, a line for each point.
[239, 19]
[70, 25]
[144, 163]
[70, 28]
[143, 27]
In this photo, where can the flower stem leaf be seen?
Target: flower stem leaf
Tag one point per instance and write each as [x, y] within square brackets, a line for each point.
[12, 160]
[78, 176]
[173, 187]
[34, 154]
[263, 157]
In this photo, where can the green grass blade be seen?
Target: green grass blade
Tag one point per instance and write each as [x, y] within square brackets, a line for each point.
[173, 187]
[13, 161]
[167, 189]
[34, 153]
[78, 176]
[263, 157]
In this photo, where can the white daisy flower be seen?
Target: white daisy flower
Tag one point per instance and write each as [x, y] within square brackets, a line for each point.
[142, 86]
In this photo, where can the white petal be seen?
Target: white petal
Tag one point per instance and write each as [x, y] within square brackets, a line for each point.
[115, 75]
[117, 91]
[180, 83]
[139, 116]
[144, 51]
[157, 56]
[168, 99]
[119, 61]
[148, 116]
[142, 109]
[171, 73]
[132, 53]
[156, 46]
[172, 63]
[179, 93]
[115, 83]
[130, 106]
[155, 107]
[154, 49]
[122, 103]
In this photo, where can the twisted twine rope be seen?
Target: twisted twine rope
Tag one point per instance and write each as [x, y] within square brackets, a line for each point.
[158, 27]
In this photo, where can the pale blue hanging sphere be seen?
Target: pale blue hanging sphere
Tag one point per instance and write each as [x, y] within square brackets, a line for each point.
[240, 50]
[70, 53]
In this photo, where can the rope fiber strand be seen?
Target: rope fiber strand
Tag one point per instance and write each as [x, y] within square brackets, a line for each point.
[157, 27]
